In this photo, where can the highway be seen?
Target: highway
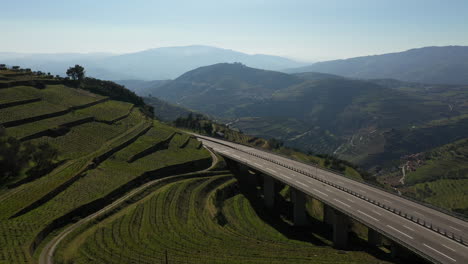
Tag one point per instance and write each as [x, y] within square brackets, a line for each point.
[438, 237]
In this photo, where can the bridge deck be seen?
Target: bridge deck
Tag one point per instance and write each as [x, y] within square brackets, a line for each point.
[419, 228]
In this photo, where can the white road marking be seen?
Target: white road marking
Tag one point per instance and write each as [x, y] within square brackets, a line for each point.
[342, 203]
[350, 200]
[407, 227]
[268, 169]
[258, 165]
[455, 228]
[448, 247]
[287, 177]
[400, 231]
[368, 215]
[376, 212]
[440, 253]
[328, 190]
[298, 182]
[320, 192]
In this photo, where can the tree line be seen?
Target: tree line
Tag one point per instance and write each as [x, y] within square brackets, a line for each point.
[196, 122]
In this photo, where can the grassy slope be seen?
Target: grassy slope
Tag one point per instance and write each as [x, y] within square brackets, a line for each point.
[443, 179]
[77, 147]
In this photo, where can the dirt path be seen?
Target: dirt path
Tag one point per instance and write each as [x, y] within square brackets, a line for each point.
[402, 180]
[47, 253]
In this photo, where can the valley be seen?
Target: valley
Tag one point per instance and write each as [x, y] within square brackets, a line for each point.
[372, 123]
[112, 154]
[234, 132]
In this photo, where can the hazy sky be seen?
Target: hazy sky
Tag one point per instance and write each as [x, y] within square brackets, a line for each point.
[306, 30]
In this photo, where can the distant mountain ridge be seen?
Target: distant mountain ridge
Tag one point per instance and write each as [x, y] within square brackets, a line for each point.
[435, 65]
[369, 122]
[153, 64]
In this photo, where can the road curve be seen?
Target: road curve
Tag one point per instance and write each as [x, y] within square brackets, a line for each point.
[438, 237]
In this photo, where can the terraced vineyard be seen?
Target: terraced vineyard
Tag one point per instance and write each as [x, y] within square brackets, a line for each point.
[199, 220]
[110, 149]
[95, 137]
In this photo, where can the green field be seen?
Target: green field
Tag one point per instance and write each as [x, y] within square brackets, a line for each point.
[443, 179]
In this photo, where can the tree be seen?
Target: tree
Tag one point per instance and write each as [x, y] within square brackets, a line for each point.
[275, 143]
[17, 158]
[43, 157]
[12, 158]
[76, 73]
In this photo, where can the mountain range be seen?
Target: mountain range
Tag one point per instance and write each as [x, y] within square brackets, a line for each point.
[437, 65]
[432, 65]
[152, 64]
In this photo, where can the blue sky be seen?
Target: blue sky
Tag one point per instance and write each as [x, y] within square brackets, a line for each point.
[307, 30]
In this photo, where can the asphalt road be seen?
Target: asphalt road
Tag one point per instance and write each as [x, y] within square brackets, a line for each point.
[417, 227]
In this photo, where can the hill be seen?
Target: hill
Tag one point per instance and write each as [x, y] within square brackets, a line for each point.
[314, 76]
[153, 64]
[142, 88]
[435, 65]
[166, 111]
[438, 176]
[215, 89]
[369, 122]
[151, 184]
[104, 148]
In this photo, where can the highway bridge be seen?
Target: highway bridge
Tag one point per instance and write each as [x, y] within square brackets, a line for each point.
[428, 232]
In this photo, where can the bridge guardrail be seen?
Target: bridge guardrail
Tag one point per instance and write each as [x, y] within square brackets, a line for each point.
[429, 225]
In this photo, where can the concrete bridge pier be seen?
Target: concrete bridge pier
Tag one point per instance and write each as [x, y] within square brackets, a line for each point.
[340, 230]
[299, 201]
[327, 214]
[340, 225]
[269, 191]
[374, 238]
